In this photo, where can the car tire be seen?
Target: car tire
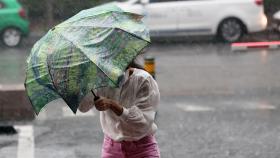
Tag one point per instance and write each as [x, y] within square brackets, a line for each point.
[231, 30]
[11, 37]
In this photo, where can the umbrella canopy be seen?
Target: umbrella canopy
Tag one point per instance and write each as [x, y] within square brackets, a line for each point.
[87, 51]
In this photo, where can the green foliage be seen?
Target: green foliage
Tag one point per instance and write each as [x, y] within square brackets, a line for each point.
[271, 6]
[62, 9]
[35, 8]
[67, 8]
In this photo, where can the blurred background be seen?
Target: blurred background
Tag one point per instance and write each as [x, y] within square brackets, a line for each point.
[216, 63]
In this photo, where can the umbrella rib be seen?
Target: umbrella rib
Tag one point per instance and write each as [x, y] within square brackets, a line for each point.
[77, 46]
[74, 110]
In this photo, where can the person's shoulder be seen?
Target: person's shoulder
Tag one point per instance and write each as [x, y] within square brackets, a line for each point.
[144, 78]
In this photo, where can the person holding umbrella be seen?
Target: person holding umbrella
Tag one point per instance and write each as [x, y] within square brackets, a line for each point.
[127, 115]
[92, 51]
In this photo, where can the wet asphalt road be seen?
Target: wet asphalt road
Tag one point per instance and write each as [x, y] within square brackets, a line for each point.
[215, 104]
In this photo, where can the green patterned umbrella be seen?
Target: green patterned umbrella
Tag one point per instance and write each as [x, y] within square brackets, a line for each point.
[87, 51]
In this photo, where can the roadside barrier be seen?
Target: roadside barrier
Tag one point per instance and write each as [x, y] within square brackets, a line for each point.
[261, 45]
[150, 65]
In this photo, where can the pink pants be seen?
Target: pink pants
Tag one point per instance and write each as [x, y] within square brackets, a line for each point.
[144, 148]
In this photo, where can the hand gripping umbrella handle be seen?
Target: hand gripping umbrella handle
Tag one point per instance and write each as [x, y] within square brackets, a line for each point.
[95, 96]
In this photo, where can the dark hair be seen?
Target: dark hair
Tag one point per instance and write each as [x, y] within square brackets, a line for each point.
[133, 64]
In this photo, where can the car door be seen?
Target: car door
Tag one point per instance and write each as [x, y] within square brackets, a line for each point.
[161, 16]
[7, 13]
[196, 16]
[2, 15]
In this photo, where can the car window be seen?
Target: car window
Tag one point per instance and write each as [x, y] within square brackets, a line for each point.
[158, 1]
[1, 5]
[191, 0]
[185, 0]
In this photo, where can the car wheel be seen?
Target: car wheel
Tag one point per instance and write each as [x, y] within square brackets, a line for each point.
[231, 30]
[11, 37]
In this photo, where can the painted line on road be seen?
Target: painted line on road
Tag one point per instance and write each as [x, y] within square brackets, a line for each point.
[194, 108]
[258, 106]
[25, 141]
[247, 105]
[248, 45]
[68, 113]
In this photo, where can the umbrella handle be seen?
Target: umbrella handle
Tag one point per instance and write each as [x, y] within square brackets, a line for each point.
[95, 96]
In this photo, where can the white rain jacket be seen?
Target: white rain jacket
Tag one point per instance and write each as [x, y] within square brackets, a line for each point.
[139, 95]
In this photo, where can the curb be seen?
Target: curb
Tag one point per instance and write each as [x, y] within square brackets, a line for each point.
[15, 105]
[255, 45]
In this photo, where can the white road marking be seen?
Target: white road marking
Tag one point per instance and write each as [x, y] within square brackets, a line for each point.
[68, 113]
[229, 105]
[194, 108]
[25, 141]
[258, 106]
[247, 105]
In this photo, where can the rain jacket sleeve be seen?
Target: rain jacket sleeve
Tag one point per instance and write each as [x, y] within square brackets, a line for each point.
[141, 115]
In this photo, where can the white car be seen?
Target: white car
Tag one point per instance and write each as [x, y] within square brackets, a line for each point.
[229, 19]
